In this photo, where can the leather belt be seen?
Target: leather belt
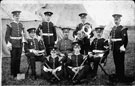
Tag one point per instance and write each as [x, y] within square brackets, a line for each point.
[16, 38]
[47, 34]
[115, 40]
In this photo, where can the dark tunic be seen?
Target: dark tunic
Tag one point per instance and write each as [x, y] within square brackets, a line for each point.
[85, 45]
[33, 44]
[76, 61]
[14, 30]
[53, 63]
[48, 27]
[119, 32]
[99, 44]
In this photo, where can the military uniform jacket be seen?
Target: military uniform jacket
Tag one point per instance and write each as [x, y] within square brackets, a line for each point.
[85, 45]
[14, 34]
[99, 44]
[33, 44]
[48, 28]
[75, 60]
[119, 32]
[52, 62]
[65, 45]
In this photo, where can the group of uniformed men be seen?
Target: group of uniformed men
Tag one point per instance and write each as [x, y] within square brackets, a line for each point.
[66, 60]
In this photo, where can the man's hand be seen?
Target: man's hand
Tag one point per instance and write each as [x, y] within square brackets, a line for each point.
[122, 48]
[61, 54]
[35, 52]
[54, 71]
[58, 68]
[81, 67]
[74, 69]
[90, 54]
[9, 46]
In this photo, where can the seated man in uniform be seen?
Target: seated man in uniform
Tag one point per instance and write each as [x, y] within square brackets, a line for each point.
[99, 48]
[77, 65]
[34, 50]
[52, 67]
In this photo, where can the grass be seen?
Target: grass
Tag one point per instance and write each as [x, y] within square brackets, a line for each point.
[102, 79]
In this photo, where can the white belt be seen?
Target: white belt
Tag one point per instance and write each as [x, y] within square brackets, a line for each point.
[47, 34]
[115, 40]
[16, 38]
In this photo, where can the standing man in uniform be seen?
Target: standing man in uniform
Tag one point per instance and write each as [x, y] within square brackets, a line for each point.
[119, 41]
[48, 32]
[84, 39]
[13, 39]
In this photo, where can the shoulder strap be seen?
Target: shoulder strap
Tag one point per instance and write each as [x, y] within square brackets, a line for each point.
[124, 28]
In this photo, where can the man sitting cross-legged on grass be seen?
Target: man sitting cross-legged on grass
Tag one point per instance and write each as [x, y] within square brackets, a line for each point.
[99, 48]
[77, 65]
[52, 67]
[34, 50]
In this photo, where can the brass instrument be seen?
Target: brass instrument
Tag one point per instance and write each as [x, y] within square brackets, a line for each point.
[86, 29]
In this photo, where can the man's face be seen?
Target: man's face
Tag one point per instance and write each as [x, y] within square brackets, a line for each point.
[79, 34]
[66, 33]
[99, 34]
[117, 21]
[83, 19]
[53, 52]
[77, 48]
[32, 34]
[16, 17]
[47, 18]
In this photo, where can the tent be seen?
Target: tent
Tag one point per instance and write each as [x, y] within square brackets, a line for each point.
[65, 15]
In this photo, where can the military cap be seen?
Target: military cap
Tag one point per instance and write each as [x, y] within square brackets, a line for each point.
[116, 15]
[76, 44]
[66, 29]
[82, 15]
[99, 29]
[31, 30]
[17, 13]
[48, 13]
[53, 48]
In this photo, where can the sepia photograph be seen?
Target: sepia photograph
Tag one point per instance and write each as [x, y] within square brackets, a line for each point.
[67, 42]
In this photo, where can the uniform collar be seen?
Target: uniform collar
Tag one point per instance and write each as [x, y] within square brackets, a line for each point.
[76, 53]
[65, 38]
[15, 21]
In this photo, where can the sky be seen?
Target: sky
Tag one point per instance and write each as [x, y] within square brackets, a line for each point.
[100, 11]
